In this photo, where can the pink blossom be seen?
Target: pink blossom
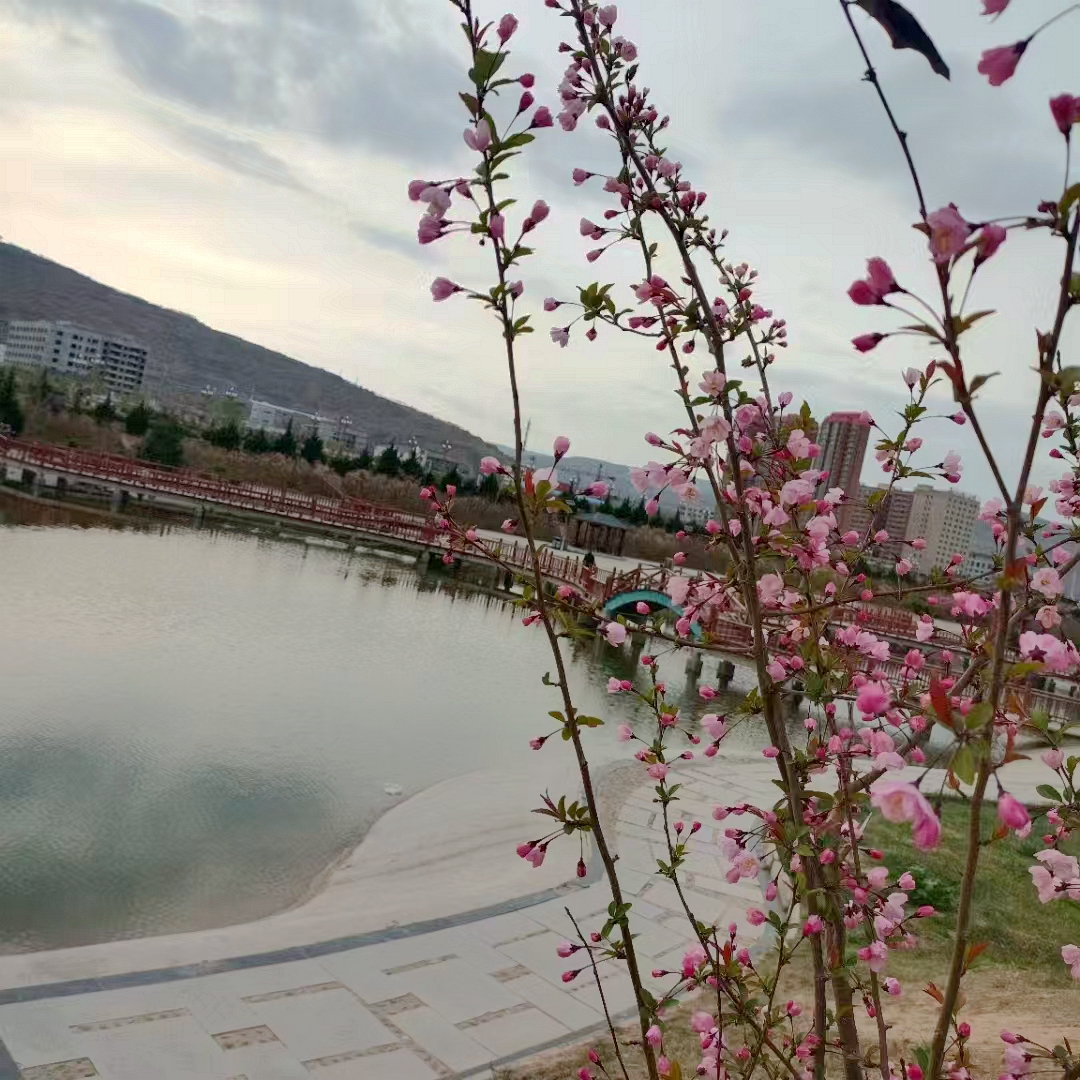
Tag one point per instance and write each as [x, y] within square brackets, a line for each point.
[1012, 813]
[542, 118]
[990, 238]
[712, 383]
[561, 335]
[1066, 111]
[1048, 650]
[550, 303]
[899, 800]
[478, 138]
[952, 467]
[813, 925]
[999, 64]
[441, 288]
[539, 211]
[903, 567]
[948, 233]
[878, 283]
[561, 445]
[580, 176]
[491, 465]
[866, 342]
[507, 25]
[1071, 955]
[624, 732]
[1047, 581]
[1054, 758]
[615, 633]
[497, 226]
[994, 7]
[653, 1036]
[658, 770]
[430, 229]
[873, 698]
[598, 489]
[702, 1022]
[769, 588]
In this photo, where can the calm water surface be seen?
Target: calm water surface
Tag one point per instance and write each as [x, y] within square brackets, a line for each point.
[193, 725]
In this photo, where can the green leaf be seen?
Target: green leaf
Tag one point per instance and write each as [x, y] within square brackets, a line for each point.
[590, 721]
[1051, 793]
[963, 764]
[1071, 195]
[485, 65]
[522, 138]
[960, 325]
[978, 716]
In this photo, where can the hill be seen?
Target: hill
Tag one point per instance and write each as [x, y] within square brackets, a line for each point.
[186, 354]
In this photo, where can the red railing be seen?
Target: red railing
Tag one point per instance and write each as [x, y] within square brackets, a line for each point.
[345, 512]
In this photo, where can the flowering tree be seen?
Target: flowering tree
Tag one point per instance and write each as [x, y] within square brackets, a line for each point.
[792, 574]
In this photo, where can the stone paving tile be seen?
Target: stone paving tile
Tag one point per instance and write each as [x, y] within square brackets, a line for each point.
[396, 1065]
[636, 815]
[440, 1038]
[39, 1033]
[249, 982]
[213, 1003]
[319, 1025]
[558, 1004]
[655, 939]
[538, 954]
[458, 991]
[171, 1049]
[516, 1032]
[266, 1061]
[234, 1040]
[361, 976]
[618, 992]
[78, 1069]
[503, 928]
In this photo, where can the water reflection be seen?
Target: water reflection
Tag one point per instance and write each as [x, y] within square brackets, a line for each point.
[196, 723]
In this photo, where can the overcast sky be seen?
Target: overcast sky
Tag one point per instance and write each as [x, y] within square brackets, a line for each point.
[246, 161]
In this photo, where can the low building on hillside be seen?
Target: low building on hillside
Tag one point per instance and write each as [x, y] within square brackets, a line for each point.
[597, 532]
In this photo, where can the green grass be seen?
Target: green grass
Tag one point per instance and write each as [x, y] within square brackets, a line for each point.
[1021, 932]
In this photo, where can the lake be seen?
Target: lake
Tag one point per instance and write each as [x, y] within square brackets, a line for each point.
[195, 724]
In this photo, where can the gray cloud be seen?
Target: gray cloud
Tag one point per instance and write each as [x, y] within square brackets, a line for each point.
[350, 72]
[988, 160]
[242, 156]
[398, 243]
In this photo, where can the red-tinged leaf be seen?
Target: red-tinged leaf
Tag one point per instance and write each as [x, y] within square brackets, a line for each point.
[1015, 573]
[939, 698]
[935, 993]
[976, 950]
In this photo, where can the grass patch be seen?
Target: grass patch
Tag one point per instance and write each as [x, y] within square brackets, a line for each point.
[1021, 932]
[1019, 978]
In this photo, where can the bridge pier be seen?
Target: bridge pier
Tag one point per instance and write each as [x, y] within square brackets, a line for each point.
[118, 500]
[694, 663]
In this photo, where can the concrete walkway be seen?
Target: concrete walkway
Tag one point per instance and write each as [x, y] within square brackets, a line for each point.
[450, 996]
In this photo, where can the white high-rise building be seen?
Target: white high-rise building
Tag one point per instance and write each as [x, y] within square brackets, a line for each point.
[944, 519]
[67, 349]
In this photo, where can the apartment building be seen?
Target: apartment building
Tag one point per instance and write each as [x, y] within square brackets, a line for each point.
[65, 348]
[945, 520]
[843, 439]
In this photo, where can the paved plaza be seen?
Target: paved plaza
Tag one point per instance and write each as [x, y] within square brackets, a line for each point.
[451, 996]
